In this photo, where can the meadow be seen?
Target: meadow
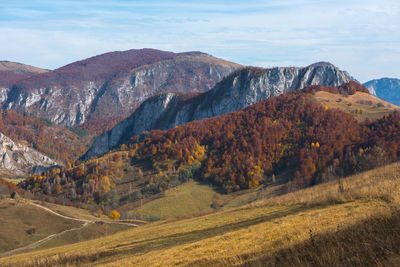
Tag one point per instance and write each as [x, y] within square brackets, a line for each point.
[351, 222]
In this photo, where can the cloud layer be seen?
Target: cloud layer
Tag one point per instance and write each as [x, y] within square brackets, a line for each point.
[362, 37]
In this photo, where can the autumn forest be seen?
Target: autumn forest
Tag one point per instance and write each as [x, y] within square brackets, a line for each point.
[288, 133]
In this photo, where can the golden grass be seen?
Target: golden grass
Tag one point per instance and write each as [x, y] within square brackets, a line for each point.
[73, 212]
[13, 180]
[17, 218]
[355, 102]
[371, 242]
[276, 233]
[92, 231]
[381, 183]
[356, 225]
[14, 66]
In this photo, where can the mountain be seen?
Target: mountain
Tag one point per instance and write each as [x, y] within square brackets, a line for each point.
[292, 133]
[240, 89]
[113, 84]
[11, 72]
[20, 158]
[385, 88]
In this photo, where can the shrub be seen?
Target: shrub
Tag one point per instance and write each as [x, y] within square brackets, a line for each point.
[114, 215]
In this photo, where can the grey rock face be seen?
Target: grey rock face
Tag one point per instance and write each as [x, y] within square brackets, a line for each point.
[239, 90]
[387, 89]
[20, 158]
[3, 94]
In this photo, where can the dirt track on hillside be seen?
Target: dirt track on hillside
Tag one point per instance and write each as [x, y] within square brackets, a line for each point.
[86, 223]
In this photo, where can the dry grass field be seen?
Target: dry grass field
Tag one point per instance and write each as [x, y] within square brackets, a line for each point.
[28, 225]
[361, 105]
[352, 223]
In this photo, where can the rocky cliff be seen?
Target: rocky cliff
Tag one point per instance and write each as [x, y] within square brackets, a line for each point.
[240, 89]
[19, 158]
[113, 84]
[386, 88]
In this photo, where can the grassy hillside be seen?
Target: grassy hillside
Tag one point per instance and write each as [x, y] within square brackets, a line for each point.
[360, 104]
[27, 225]
[19, 218]
[352, 222]
[190, 199]
[15, 67]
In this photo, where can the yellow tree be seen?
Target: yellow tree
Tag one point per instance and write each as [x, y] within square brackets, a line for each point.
[114, 215]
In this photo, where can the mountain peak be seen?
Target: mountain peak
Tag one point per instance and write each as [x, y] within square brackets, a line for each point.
[321, 64]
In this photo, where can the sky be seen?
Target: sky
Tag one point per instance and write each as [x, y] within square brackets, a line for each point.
[360, 36]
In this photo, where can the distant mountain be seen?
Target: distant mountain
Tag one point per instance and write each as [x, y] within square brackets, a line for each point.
[114, 84]
[385, 88]
[240, 89]
[19, 158]
[12, 72]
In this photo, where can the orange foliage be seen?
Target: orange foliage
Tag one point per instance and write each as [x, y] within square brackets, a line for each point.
[114, 215]
[64, 144]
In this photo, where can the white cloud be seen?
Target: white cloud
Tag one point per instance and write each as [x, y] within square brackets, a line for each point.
[360, 36]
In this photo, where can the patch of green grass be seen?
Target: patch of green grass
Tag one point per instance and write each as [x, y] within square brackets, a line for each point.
[194, 198]
[79, 132]
[188, 199]
[47, 121]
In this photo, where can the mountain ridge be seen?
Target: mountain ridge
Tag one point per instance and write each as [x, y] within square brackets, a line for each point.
[113, 84]
[238, 90]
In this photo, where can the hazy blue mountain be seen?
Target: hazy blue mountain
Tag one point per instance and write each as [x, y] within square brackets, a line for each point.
[385, 88]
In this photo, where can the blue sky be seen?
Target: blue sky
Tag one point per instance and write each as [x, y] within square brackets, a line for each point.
[362, 37]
